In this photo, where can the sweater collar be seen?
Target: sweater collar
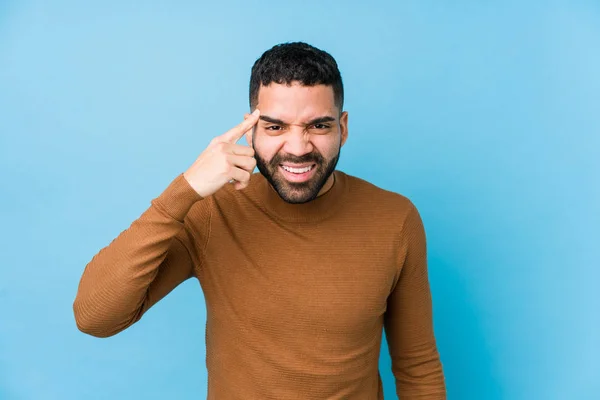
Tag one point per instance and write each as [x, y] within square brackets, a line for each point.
[315, 210]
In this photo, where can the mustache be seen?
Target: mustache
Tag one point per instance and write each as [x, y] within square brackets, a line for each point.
[312, 157]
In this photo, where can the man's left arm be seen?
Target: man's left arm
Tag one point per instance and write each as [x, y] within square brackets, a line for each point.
[408, 320]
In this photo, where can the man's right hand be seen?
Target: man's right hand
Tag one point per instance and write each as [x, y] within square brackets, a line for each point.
[224, 160]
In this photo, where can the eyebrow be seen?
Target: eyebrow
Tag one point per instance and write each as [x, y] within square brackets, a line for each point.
[312, 122]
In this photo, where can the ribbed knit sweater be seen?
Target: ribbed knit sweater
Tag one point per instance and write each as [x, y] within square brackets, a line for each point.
[297, 295]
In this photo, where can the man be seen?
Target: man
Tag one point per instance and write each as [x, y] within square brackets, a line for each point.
[301, 265]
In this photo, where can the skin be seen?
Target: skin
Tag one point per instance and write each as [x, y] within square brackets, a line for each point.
[286, 133]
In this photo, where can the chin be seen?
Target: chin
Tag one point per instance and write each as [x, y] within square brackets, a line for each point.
[298, 193]
[297, 198]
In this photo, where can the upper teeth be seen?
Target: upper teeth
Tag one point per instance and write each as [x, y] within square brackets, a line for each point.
[297, 170]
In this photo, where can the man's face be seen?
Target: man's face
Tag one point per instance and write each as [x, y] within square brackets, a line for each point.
[298, 138]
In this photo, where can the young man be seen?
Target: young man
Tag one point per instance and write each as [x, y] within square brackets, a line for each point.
[302, 266]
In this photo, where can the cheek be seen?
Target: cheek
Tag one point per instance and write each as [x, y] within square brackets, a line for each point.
[265, 147]
[328, 146]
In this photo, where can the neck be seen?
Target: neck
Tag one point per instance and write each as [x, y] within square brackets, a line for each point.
[327, 185]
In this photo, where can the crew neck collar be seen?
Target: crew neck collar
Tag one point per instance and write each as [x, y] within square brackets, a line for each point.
[315, 210]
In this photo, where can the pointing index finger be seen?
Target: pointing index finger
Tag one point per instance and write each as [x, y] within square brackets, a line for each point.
[235, 133]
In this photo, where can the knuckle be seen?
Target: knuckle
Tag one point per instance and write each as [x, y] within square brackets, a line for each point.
[225, 168]
[221, 146]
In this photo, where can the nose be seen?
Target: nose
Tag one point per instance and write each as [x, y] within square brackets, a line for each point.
[298, 141]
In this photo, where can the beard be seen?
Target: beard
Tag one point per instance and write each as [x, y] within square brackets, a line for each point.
[297, 192]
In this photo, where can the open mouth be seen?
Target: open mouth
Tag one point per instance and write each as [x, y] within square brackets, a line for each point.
[298, 174]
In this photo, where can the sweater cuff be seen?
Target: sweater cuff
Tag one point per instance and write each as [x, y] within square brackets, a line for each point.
[178, 198]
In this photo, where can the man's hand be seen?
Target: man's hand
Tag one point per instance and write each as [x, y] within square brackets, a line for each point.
[224, 160]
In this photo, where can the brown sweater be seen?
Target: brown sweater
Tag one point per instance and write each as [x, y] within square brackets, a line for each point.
[296, 295]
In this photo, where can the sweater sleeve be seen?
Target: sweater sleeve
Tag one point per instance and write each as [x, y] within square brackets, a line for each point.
[141, 265]
[408, 320]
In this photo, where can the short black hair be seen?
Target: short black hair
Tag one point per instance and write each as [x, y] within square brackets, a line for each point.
[286, 63]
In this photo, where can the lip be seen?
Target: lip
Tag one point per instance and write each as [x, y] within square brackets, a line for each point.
[297, 165]
[292, 177]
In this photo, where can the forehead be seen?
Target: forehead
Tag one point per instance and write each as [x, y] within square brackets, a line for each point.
[296, 103]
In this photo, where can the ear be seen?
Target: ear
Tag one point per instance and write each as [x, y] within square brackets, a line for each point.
[344, 126]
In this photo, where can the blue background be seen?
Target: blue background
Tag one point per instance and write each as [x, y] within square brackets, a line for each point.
[485, 114]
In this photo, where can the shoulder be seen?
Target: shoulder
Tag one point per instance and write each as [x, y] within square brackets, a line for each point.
[367, 194]
[386, 213]
[389, 210]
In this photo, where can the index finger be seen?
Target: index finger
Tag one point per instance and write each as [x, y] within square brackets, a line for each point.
[235, 133]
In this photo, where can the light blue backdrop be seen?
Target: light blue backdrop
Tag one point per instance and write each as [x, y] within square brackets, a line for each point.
[485, 114]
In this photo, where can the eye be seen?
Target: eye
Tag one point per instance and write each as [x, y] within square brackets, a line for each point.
[320, 127]
[273, 128]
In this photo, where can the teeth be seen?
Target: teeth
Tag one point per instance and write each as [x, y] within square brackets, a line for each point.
[297, 170]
